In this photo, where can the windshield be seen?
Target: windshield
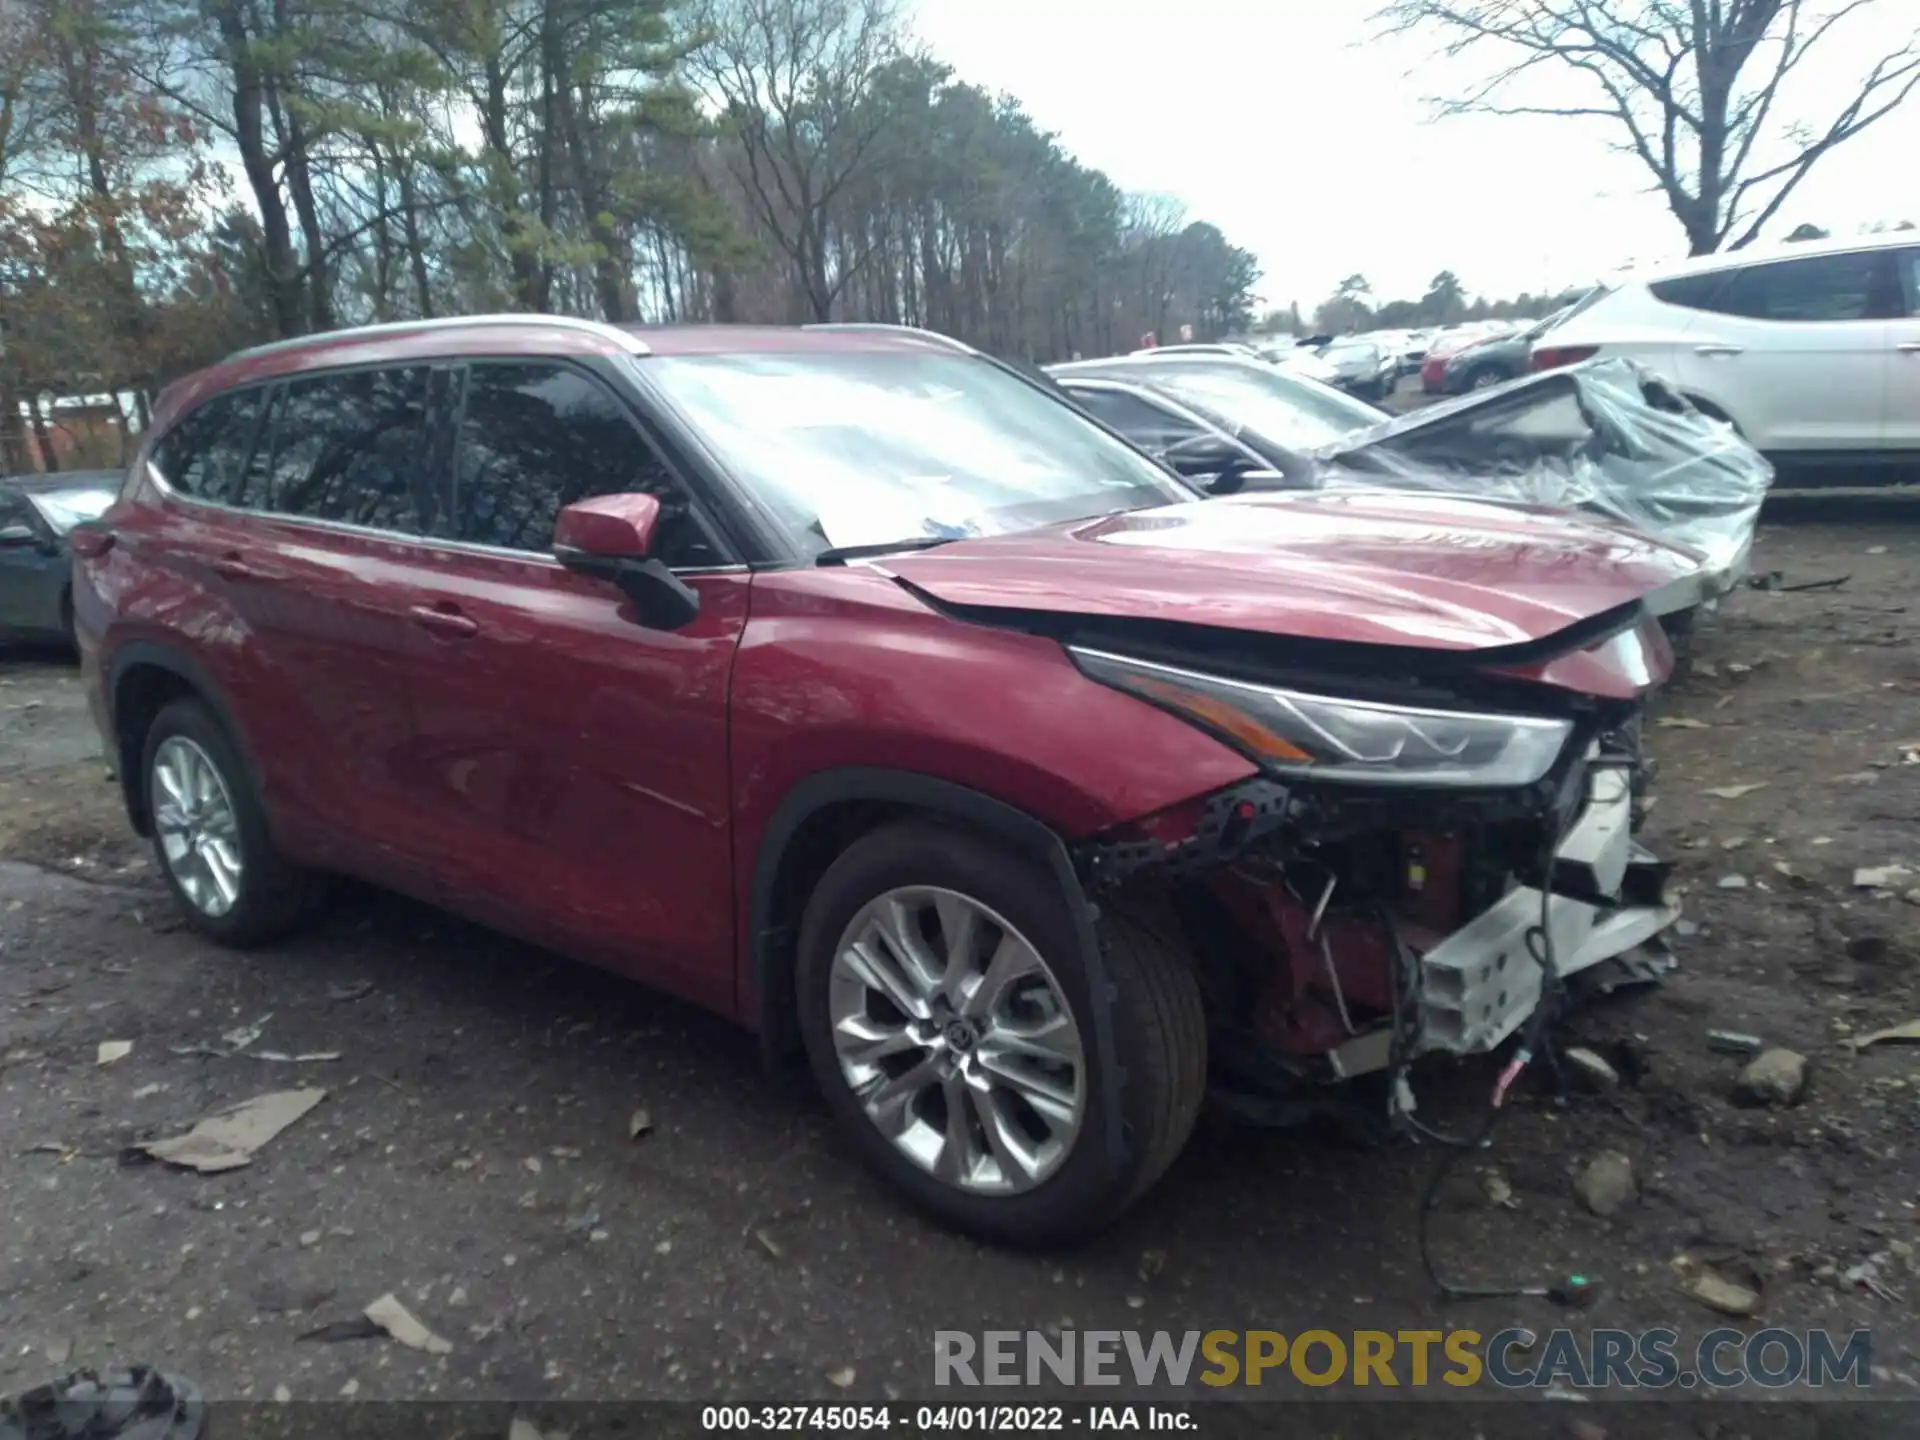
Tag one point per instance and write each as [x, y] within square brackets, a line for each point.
[865, 447]
[64, 509]
[1288, 409]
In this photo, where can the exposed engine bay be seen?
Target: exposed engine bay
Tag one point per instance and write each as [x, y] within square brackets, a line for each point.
[1344, 931]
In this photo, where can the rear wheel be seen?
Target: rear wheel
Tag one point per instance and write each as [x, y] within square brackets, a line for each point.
[210, 833]
[949, 1019]
[1484, 378]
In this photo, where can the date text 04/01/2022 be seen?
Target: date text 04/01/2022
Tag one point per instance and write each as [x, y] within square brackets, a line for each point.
[936, 1419]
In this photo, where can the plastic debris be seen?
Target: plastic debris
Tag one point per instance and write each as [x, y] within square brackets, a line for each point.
[640, 1124]
[241, 1036]
[1734, 1042]
[1907, 1032]
[1734, 792]
[1881, 877]
[394, 1318]
[112, 1050]
[1867, 1276]
[229, 1138]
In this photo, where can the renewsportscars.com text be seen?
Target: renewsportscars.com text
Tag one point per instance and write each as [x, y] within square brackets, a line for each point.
[1512, 1359]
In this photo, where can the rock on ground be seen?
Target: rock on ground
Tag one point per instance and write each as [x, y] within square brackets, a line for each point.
[1773, 1077]
[1607, 1183]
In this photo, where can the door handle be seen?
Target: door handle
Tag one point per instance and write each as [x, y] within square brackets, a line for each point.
[1719, 349]
[1908, 347]
[450, 623]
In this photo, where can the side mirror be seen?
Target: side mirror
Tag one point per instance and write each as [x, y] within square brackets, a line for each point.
[1207, 456]
[18, 537]
[611, 536]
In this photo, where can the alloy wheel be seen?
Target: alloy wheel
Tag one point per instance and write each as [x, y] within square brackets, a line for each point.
[957, 1040]
[198, 830]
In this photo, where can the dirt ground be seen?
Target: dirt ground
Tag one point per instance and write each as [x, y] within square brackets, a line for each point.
[472, 1154]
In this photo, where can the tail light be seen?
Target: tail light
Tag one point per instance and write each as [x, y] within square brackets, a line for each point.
[1554, 357]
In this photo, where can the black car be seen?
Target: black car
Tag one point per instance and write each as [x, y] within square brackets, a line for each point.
[36, 512]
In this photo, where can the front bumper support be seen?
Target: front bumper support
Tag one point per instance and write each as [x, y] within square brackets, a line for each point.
[1479, 983]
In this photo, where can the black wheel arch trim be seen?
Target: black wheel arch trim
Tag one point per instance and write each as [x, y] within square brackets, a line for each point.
[937, 797]
[176, 662]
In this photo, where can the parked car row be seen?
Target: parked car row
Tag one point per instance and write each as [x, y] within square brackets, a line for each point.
[1606, 439]
[36, 584]
[918, 712]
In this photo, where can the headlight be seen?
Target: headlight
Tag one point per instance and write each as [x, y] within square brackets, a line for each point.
[1350, 741]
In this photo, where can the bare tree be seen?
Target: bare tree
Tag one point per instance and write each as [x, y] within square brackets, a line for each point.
[795, 78]
[1696, 86]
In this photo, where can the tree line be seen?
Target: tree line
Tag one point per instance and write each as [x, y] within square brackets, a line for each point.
[181, 178]
[1354, 307]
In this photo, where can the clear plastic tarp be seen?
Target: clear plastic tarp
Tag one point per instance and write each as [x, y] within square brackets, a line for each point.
[1608, 437]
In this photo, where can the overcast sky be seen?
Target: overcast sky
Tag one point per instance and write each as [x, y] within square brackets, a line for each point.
[1305, 139]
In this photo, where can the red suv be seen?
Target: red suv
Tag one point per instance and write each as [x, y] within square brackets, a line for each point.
[856, 685]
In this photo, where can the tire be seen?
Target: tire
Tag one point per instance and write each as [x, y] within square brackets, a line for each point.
[1157, 1024]
[272, 896]
[1485, 378]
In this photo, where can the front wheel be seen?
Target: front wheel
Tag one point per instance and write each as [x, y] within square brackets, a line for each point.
[949, 1019]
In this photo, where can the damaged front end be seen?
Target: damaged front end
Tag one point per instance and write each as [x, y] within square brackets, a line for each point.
[1423, 856]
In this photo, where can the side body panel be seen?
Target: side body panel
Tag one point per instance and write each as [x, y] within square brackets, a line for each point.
[842, 669]
[569, 767]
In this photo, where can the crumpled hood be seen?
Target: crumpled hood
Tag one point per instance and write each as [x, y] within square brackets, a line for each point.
[1431, 572]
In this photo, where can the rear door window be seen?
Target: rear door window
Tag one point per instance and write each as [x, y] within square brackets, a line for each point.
[352, 448]
[1815, 290]
[205, 456]
[536, 437]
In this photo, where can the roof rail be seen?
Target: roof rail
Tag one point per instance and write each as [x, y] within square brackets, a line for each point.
[626, 339]
[947, 341]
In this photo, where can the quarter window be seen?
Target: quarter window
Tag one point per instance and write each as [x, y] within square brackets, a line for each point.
[1909, 262]
[535, 438]
[350, 447]
[205, 455]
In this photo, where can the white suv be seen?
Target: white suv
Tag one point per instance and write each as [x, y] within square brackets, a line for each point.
[1811, 350]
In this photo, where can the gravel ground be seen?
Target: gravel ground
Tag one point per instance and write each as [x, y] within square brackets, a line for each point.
[472, 1155]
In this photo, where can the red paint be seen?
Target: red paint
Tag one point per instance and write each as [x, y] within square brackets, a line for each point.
[615, 526]
[495, 733]
[1555, 357]
[1431, 572]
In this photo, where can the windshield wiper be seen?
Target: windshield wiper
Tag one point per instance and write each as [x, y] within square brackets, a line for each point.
[841, 554]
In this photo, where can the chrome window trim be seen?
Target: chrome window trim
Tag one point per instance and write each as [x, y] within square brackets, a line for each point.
[400, 537]
[629, 342]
